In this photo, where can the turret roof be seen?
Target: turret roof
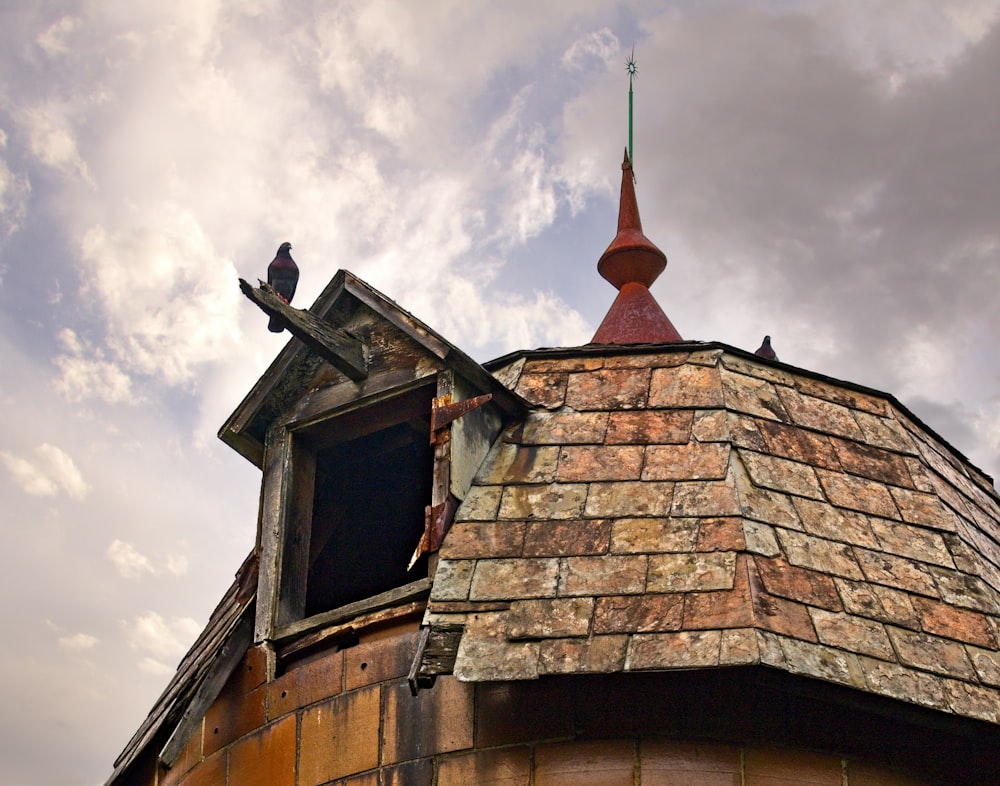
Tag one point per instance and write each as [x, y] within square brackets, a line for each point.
[678, 507]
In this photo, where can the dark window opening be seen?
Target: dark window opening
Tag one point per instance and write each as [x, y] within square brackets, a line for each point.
[368, 510]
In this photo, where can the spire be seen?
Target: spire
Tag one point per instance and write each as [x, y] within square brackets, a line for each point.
[632, 263]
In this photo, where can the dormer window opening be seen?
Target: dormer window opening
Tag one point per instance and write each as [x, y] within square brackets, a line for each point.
[354, 487]
[368, 515]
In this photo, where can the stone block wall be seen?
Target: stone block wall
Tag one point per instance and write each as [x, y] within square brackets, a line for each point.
[348, 718]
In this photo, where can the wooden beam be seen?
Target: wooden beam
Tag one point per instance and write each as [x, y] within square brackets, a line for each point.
[296, 532]
[271, 527]
[344, 352]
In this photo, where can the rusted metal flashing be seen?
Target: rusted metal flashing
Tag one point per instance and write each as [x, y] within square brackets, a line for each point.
[439, 515]
[444, 412]
[437, 521]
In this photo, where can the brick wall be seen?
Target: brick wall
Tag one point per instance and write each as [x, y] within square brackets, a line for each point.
[348, 718]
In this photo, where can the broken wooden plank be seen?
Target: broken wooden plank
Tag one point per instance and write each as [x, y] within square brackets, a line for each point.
[349, 630]
[438, 655]
[413, 677]
[346, 353]
[417, 590]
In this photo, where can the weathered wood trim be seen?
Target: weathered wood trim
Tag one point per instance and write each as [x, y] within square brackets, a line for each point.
[439, 654]
[442, 450]
[337, 400]
[342, 297]
[227, 659]
[350, 630]
[277, 474]
[248, 447]
[391, 311]
[300, 483]
[414, 591]
[346, 353]
[247, 410]
[439, 514]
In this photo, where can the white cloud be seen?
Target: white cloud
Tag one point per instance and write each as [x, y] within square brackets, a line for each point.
[28, 476]
[131, 564]
[601, 45]
[901, 40]
[535, 209]
[151, 633]
[988, 422]
[55, 294]
[52, 139]
[176, 564]
[52, 40]
[84, 373]
[50, 471]
[155, 668]
[169, 298]
[82, 378]
[78, 642]
[63, 470]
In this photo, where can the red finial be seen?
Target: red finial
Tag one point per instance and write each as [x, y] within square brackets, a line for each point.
[632, 263]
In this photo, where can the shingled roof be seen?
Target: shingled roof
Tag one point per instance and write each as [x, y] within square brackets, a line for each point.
[693, 506]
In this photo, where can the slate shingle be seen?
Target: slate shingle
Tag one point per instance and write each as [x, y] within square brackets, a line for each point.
[691, 509]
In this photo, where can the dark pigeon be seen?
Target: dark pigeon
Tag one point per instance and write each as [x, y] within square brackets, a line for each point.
[283, 275]
[765, 351]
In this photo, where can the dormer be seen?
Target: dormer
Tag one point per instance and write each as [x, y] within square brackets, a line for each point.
[368, 428]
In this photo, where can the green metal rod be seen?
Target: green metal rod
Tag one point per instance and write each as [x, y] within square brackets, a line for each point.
[631, 155]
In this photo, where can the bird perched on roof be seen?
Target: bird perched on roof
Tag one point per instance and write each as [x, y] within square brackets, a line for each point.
[283, 275]
[765, 350]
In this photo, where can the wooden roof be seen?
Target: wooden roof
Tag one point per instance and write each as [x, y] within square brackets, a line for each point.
[363, 315]
[693, 506]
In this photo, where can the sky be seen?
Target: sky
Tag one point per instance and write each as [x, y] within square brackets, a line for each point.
[825, 171]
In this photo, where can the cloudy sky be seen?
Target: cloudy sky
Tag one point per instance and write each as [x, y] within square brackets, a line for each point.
[826, 172]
